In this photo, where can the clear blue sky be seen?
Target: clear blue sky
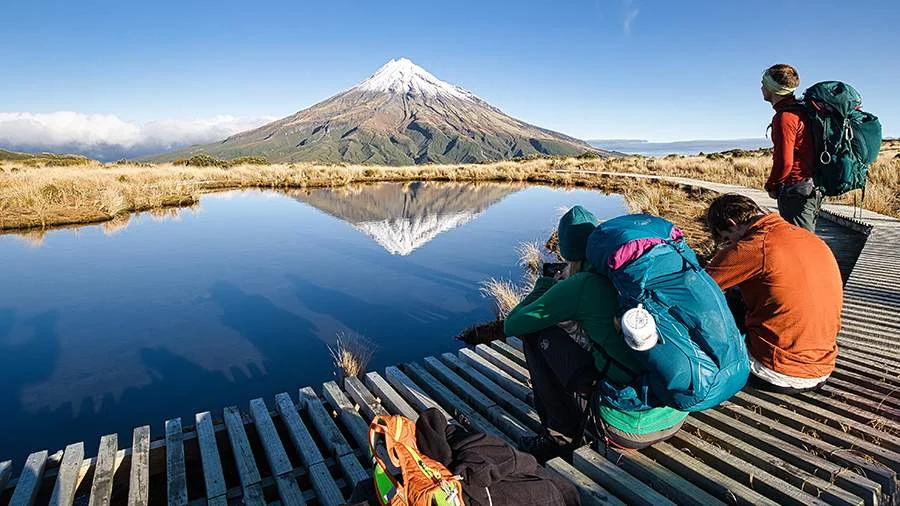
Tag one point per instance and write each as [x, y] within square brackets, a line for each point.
[658, 70]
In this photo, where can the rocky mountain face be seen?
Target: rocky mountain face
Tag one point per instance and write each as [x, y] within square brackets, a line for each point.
[401, 115]
[404, 217]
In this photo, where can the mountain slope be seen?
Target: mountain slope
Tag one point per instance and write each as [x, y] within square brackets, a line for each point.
[401, 115]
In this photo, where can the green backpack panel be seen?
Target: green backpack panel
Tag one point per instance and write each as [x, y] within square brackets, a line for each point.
[847, 139]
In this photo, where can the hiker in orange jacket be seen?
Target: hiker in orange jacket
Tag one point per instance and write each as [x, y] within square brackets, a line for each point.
[793, 156]
[791, 285]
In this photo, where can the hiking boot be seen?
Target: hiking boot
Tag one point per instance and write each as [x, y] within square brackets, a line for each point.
[544, 446]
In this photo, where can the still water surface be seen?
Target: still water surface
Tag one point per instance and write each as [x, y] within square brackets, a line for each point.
[113, 326]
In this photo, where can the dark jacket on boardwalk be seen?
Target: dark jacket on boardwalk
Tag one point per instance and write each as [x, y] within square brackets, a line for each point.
[494, 473]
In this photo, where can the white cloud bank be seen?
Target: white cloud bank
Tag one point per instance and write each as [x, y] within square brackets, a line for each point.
[106, 136]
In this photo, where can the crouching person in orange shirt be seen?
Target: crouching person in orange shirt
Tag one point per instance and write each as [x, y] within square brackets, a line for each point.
[791, 287]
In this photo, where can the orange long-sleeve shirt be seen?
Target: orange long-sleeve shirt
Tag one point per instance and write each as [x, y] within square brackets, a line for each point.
[793, 154]
[792, 288]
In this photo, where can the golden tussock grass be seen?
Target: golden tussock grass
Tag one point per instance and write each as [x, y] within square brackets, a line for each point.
[351, 355]
[504, 293]
[44, 196]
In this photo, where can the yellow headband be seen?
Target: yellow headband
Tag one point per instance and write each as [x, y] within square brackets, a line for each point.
[774, 87]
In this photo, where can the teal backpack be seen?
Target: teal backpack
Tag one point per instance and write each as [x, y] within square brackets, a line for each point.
[700, 359]
[847, 139]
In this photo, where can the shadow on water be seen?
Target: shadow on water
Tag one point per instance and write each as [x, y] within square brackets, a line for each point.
[183, 386]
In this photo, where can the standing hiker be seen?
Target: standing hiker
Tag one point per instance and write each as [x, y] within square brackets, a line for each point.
[793, 158]
[791, 286]
[561, 367]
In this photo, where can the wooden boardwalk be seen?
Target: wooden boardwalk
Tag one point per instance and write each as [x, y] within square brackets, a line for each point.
[837, 446]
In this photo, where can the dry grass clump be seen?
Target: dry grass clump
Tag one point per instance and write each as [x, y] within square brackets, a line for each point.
[504, 293]
[531, 259]
[351, 355]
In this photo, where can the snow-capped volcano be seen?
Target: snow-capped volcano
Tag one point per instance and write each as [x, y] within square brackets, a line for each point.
[402, 218]
[401, 115]
[406, 78]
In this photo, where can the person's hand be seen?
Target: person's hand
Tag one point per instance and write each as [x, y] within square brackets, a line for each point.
[482, 334]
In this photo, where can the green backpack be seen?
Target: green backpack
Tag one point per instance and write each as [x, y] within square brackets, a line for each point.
[847, 139]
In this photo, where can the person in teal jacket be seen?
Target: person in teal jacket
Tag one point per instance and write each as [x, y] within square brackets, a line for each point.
[562, 365]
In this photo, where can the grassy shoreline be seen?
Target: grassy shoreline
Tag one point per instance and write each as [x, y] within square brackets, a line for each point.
[39, 197]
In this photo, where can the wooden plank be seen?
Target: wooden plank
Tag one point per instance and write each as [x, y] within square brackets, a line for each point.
[417, 397]
[787, 437]
[706, 477]
[615, 479]
[834, 436]
[369, 406]
[515, 342]
[67, 478]
[327, 491]
[29, 480]
[792, 474]
[389, 397]
[332, 437]
[355, 425]
[491, 410]
[176, 477]
[279, 463]
[139, 477]
[104, 469]
[302, 439]
[518, 408]
[743, 472]
[833, 419]
[661, 479]
[517, 356]
[462, 412]
[5, 473]
[243, 456]
[518, 389]
[504, 363]
[591, 493]
[209, 456]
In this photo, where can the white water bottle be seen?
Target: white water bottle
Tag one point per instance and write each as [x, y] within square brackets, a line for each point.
[639, 329]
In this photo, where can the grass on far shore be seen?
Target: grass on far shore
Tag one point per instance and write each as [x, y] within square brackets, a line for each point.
[40, 196]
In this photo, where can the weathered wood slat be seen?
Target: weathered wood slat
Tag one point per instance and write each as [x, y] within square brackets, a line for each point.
[139, 476]
[209, 456]
[522, 411]
[389, 397]
[327, 491]
[792, 474]
[29, 480]
[615, 479]
[482, 403]
[785, 435]
[332, 437]
[462, 412]
[101, 488]
[880, 398]
[662, 479]
[515, 342]
[505, 364]
[855, 406]
[355, 425]
[591, 493]
[369, 405]
[744, 473]
[517, 356]
[279, 463]
[67, 478]
[706, 477]
[518, 389]
[418, 399]
[176, 477]
[824, 432]
[5, 473]
[243, 457]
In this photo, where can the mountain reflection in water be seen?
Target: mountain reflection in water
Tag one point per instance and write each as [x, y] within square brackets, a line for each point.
[107, 327]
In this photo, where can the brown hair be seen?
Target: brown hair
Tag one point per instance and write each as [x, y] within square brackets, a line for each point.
[737, 208]
[784, 75]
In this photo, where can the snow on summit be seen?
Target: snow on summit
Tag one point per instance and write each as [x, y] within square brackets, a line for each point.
[405, 77]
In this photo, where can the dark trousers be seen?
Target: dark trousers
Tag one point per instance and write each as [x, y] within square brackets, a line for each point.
[559, 369]
[800, 210]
